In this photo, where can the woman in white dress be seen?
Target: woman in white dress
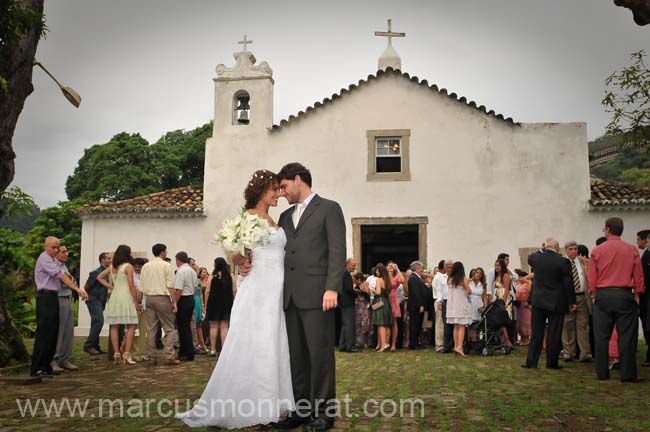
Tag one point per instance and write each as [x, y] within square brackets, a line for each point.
[251, 383]
[479, 293]
[458, 305]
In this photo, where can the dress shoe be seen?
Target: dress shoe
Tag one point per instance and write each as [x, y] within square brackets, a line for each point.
[92, 351]
[555, 367]
[320, 424]
[152, 362]
[172, 362]
[525, 366]
[42, 374]
[634, 380]
[69, 366]
[56, 369]
[184, 358]
[291, 422]
[567, 359]
[587, 360]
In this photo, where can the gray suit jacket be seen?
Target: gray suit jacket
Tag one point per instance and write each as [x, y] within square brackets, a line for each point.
[315, 253]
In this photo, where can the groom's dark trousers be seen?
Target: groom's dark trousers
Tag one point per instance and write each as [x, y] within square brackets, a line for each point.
[311, 335]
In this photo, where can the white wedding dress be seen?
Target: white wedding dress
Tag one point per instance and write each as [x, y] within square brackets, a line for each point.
[251, 383]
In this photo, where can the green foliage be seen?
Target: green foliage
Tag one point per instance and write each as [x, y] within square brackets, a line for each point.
[127, 166]
[632, 166]
[16, 283]
[59, 221]
[17, 210]
[636, 176]
[17, 22]
[627, 98]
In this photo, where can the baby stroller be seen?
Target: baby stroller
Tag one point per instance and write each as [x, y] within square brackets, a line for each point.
[493, 320]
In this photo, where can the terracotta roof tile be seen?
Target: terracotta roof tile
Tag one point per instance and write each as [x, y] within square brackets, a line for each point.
[606, 195]
[378, 75]
[186, 201]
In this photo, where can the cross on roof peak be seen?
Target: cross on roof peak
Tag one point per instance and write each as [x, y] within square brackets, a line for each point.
[245, 42]
[390, 34]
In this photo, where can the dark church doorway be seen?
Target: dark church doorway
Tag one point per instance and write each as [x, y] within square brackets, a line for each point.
[382, 243]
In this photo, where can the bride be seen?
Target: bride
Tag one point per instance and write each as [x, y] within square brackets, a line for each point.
[251, 383]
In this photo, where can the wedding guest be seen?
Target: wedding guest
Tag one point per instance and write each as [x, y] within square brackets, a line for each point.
[373, 334]
[479, 293]
[48, 276]
[65, 339]
[417, 293]
[397, 279]
[575, 331]
[157, 284]
[361, 306]
[123, 306]
[458, 305]
[96, 302]
[616, 281]
[220, 295]
[552, 296]
[140, 339]
[185, 283]
[403, 322]
[501, 291]
[439, 273]
[346, 303]
[491, 275]
[442, 289]
[522, 295]
[382, 315]
[199, 309]
[643, 243]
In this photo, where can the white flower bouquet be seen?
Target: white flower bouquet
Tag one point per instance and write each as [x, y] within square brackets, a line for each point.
[243, 232]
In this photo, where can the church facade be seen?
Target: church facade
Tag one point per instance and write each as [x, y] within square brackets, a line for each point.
[420, 173]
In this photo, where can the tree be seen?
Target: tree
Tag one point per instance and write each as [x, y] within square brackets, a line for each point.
[640, 10]
[127, 166]
[189, 148]
[16, 268]
[59, 221]
[627, 98]
[21, 26]
[119, 169]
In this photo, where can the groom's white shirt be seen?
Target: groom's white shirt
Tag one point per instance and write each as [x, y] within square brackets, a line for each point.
[305, 203]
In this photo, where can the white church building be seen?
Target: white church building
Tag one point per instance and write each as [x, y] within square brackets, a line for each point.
[420, 173]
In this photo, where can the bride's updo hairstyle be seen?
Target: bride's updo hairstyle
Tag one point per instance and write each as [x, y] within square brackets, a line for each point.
[260, 182]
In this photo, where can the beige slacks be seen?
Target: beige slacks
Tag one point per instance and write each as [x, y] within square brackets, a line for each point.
[159, 308]
[576, 328]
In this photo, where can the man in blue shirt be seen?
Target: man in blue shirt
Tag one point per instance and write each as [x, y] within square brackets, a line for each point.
[97, 294]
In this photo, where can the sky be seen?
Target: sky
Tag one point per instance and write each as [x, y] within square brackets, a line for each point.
[147, 66]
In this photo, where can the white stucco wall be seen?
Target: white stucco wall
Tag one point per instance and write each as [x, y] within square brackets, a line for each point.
[104, 235]
[486, 186]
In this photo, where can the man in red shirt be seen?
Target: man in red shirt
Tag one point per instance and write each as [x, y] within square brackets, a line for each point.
[615, 282]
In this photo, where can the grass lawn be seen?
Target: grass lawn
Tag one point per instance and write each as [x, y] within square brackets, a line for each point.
[468, 394]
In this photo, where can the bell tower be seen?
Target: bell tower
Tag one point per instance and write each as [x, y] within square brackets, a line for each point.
[243, 115]
[243, 97]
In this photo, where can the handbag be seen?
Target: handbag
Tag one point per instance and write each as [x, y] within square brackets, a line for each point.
[378, 305]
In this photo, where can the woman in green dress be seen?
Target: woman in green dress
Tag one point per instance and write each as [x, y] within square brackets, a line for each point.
[382, 315]
[123, 306]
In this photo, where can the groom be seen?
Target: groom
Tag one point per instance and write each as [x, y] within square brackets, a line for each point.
[313, 268]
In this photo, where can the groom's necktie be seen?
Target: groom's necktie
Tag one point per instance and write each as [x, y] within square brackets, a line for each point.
[576, 278]
[297, 214]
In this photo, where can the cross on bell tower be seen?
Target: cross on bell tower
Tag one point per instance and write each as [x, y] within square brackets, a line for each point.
[390, 58]
[245, 42]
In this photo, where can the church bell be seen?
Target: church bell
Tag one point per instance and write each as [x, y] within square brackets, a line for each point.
[243, 107]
